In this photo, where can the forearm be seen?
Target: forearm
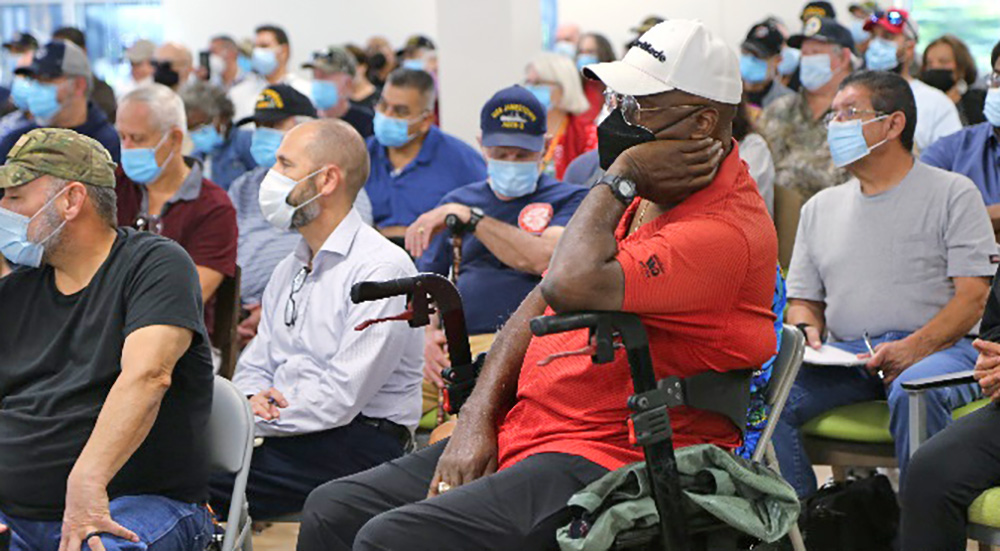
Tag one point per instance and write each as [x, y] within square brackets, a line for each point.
[951, 324]
[496, 389]
[808, 312]
[123, 424]
[583, 273]
[210, 281]
[515, 247]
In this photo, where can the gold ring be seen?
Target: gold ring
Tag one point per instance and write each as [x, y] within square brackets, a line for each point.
[443, 487]
[420, 230]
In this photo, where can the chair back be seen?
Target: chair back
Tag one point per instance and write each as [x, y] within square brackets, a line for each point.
[227, 319]
[230, 429]
[787, 208]
[785, 369]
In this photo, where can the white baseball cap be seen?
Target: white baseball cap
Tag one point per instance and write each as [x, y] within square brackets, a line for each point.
[675, 55]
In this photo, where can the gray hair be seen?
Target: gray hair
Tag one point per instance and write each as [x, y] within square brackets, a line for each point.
[421, 81]
[207, 98]
[104, 199]
[552, 67]
[165, 105]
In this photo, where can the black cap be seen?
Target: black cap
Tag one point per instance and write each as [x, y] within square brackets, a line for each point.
[818, 9]
[764, 40]
[277, 103]
[21, 42]
[824, 30]
[55, 59]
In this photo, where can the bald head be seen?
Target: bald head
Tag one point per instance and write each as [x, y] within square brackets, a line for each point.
[334, 142]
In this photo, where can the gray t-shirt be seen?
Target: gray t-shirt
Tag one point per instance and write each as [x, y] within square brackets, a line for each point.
[884, 262]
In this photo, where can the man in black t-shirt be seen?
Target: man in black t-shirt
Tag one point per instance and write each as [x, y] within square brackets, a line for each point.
[333, 72]
[107, 375]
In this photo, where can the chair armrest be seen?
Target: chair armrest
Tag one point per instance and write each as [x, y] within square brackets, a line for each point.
[939, 381]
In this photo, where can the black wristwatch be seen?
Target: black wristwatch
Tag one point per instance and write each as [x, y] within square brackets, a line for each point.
[476, 214]
[622, 188]
[802, 327]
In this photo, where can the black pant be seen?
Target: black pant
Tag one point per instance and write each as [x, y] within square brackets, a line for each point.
[385, 508]
[284, 470]
[945, 476]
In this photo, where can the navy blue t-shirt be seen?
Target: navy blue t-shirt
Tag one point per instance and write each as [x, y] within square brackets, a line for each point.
[490, 289]
[96, 126]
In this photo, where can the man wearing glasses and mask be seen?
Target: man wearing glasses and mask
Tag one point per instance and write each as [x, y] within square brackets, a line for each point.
[675, 232]
[903, 253]
[330, 400]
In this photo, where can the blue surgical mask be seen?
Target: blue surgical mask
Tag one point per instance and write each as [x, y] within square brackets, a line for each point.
[992, 107]
[20, 91]
[206, 139]
[789, 60]
[815, 71]
[511, 178]
[325, 94]
[139, 163]
[881, 55]
[43, 100]
[586, 59]
[858, 32]
[14, 243]
[543, 93]
[264, 61]
[847, 141]
[753, 69]
[264, 145]
[244, 63]
[565, 48]
[392, 132]
[415, 64]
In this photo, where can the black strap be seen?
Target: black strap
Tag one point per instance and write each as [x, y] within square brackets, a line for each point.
[395, 430]
[726, 393]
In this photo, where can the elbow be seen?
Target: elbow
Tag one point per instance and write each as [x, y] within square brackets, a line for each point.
[564, 294]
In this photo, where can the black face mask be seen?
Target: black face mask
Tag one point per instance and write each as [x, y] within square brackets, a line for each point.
[166, 75]
[615, 136]
[942, 79]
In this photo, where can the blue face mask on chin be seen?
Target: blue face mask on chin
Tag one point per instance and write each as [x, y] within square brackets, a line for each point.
[992, 107]
[14, 243]
[815, 71]
[392, 132]
[513, 179]
[140, 165]
[847, 141]
[324, 94]
[789, 60]
[543, 93]
[881, 55]
[206, 139]
[753, 69]
[264, 145]
[20, 91]
[43, 101]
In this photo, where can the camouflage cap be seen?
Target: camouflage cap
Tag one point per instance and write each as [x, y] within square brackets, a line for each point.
[333, 59]
[57, 152]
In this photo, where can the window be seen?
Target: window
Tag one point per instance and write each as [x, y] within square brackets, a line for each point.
[974, 21]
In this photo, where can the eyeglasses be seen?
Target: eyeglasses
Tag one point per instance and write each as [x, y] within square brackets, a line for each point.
[849, 114]
[631, 111]
[149, 223]
[291, 307]
[993, 81]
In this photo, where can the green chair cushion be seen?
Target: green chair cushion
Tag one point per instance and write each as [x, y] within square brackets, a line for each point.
[861, 422]
[429, 421]
[969, 408]
[985, 509]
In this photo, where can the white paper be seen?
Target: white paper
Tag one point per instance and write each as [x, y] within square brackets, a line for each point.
[830, 355]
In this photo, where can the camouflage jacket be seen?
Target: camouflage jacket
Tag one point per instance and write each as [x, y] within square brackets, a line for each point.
[798, 145]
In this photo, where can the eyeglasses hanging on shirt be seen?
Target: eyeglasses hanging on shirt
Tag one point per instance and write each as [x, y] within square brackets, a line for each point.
[291, 307]
[150, 223]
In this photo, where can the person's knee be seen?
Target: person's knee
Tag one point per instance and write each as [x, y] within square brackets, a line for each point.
[381, 533]
[328, 508]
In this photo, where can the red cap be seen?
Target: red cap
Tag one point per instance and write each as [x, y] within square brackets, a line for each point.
[893, 20]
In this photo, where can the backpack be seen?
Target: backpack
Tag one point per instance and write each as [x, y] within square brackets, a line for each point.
[857, 515]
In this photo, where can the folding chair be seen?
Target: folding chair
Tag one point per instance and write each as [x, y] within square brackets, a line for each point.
[230, 437]
[227, 319]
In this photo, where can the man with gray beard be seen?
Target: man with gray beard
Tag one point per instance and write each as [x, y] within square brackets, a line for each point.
[331, 401]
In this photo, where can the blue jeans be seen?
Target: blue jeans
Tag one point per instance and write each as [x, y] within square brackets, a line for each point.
[162, 524]
[818, 389]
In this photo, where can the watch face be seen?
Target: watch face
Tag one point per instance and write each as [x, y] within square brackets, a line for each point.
[626, 188]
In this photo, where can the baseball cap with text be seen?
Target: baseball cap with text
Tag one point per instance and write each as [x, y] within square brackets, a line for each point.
[675, 55]
[513, 117]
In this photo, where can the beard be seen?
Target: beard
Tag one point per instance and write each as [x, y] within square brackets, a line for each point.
[51, 232]
[305, 215]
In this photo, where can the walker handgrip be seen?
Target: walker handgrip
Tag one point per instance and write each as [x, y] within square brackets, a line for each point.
[561, 323]
[366, 291]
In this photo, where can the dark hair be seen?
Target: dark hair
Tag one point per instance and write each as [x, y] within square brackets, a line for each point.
[605, 52]
[359, 54]
[890, 93]
[963, 59]
[71, 34]
[741, 122]
[279, 34]
[995, 56]
[225, 39]
[420, 81]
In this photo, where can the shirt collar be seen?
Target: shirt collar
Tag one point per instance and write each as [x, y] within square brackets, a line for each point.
[338, 244]
[428, 151]
[190, 188]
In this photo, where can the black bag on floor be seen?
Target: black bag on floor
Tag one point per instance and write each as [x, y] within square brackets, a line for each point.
[858, 515]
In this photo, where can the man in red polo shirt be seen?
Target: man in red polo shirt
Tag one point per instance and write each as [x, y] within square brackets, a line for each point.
[161, 191]
[675, 232]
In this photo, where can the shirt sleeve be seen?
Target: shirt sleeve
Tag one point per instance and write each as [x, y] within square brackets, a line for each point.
[940, 154]
[990, 328]
[216, 243]
[568, 207]
[804, 279]
[969, 236]
[437, 257]
[164, 290]
[947, 123]
[683, 267]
